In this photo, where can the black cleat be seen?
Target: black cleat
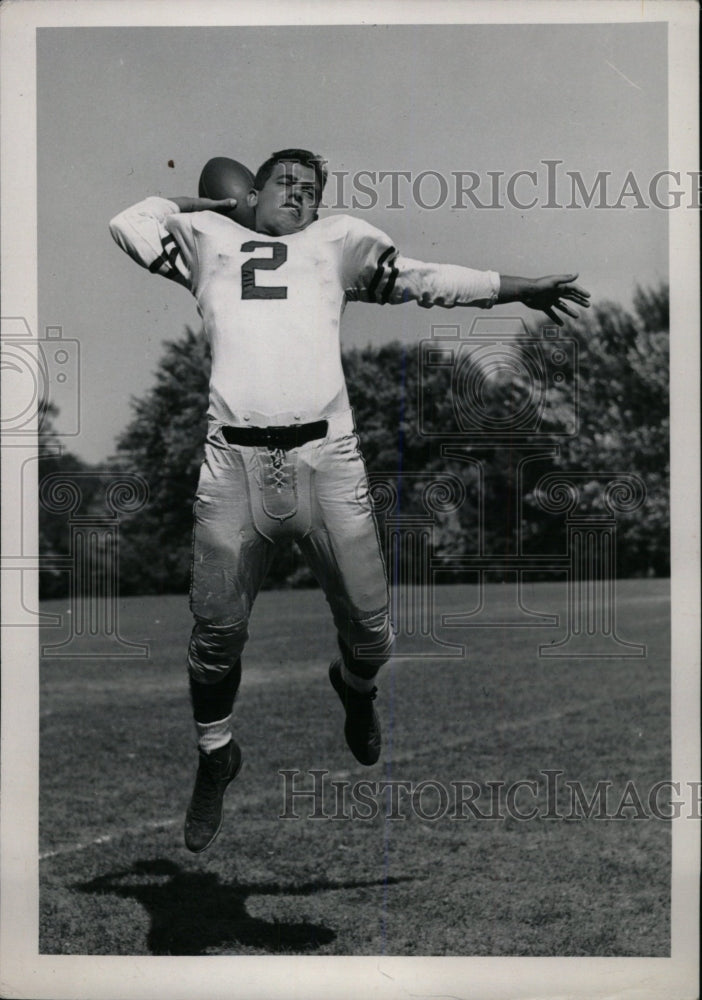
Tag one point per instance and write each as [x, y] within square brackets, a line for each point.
[203, 819]
[362, 728]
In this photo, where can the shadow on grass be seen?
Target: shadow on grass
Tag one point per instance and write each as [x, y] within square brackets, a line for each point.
[194, 912]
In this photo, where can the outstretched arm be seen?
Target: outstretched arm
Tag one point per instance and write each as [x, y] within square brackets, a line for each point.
[398, 279]
[376, 272]
[545, 294]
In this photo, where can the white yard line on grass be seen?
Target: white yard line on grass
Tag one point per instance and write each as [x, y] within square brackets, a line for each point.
[108, 838]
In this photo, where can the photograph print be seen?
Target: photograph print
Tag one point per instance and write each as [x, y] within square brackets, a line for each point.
[341, 563]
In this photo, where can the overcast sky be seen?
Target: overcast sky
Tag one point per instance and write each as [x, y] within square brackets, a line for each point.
[115, 105]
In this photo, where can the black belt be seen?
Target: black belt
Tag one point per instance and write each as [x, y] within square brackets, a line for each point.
[292, 436]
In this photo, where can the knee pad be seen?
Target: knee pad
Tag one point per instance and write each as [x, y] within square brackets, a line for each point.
[215, 649]
[366, 643]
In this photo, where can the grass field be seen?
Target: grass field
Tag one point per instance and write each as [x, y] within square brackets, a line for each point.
[118, 760]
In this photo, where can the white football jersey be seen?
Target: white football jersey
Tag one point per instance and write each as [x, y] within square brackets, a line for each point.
[272, 305]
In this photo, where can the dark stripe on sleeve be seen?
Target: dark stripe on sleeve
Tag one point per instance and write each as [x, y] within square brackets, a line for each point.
[379, 272]
[157, 264]
[167, 242]
[168, 258]
[174, 256]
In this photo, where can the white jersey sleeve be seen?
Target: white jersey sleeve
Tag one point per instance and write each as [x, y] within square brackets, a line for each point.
[374, 271]
[142, 231]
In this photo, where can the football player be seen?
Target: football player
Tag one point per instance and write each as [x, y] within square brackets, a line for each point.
[282, 457]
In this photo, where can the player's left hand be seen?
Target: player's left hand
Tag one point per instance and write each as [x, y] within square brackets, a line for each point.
[555, 292]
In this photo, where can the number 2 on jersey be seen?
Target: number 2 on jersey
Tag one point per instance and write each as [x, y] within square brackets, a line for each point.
[249, 288]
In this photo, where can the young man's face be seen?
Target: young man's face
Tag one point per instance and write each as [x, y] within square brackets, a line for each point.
[287, 202]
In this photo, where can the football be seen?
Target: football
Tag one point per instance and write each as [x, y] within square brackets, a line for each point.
[225, 178]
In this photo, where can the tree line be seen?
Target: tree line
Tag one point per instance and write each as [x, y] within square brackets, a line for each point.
[496, 416]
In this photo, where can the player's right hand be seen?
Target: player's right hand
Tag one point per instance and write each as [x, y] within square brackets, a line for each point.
[218, 205]
[223, 205]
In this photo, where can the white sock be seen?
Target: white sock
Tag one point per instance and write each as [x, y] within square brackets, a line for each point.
[363, 684]
[212, 735]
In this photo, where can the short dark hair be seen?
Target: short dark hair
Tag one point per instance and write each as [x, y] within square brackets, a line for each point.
[302, 156]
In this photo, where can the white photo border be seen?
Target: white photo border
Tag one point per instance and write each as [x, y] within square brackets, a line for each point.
[24, 971]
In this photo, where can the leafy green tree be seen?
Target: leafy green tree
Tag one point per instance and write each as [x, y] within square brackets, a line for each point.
[164, 443]
[404, 414]
[623, 410]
